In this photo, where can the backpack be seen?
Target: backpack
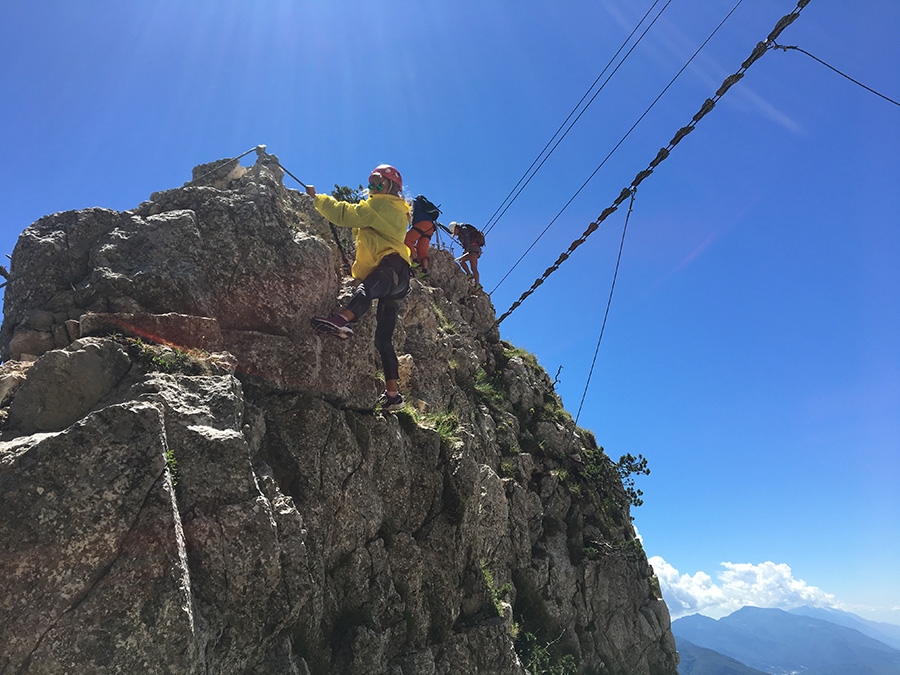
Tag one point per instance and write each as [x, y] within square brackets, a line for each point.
[423, 209]
[476, 236]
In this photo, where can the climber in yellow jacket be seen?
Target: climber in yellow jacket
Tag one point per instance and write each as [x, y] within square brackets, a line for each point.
[382, 264]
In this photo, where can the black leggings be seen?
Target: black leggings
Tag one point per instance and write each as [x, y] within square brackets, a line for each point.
[389, 284]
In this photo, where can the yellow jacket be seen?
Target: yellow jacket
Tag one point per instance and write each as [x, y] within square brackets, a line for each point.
[380, 222]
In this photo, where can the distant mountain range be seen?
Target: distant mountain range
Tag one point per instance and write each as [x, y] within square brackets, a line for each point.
[700, 661]
[887, 633]
[806, 641]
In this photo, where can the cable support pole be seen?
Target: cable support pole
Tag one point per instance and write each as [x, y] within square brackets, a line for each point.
[760, 49]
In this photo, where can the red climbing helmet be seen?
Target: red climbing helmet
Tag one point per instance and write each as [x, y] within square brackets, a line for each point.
[388, 172]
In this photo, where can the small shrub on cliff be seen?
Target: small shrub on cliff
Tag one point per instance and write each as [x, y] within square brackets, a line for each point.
[589, 438]
[507, 468]
[172, 463]
[345, 193]
[536, 656]
[165, 359]
[554, 410]
[407, 417]
[530, 359]
[571, 482]
[597, 466]
[443, 321]
[600, 470]
[498, 594]
[488, 389]
[628, 467]
[444, 422]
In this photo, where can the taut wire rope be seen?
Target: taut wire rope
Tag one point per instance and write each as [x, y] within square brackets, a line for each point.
[816, 58]
[616, 147]
[608, 304]
[504, 206]
[760, 49]
[259, 149]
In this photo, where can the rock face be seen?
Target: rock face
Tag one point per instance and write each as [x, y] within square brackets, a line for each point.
[193, 481]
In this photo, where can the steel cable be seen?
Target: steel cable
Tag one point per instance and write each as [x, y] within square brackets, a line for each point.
[664, 153]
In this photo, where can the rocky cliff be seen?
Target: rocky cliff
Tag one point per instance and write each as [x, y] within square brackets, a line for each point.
[193, 481]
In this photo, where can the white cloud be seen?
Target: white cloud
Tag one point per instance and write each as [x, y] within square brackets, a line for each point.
[767, 584]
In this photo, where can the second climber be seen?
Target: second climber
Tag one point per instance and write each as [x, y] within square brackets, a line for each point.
[418, 239]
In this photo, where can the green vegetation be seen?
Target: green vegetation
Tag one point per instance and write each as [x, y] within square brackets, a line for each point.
[600, 470]
[592, 550]
[596, 466]
[443, 321]
[589, 438]
[488, 388]
[537, 657]
[346, 194]
[167, 359]
[445, 422]
[570, 480]
[554, 410]
[633, 546]
[628, 467]
[498, 595]
[530, 359]
[507, 468]
[408, 417]
[631, 549]
[172, 463]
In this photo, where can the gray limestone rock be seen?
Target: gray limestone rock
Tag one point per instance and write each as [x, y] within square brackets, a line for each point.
[65, 384]
[220, 496]
[94, 573]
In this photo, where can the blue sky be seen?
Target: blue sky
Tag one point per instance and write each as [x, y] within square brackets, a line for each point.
[752, 351]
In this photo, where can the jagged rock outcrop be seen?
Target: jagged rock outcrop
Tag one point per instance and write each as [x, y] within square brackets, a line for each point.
[193, 481]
